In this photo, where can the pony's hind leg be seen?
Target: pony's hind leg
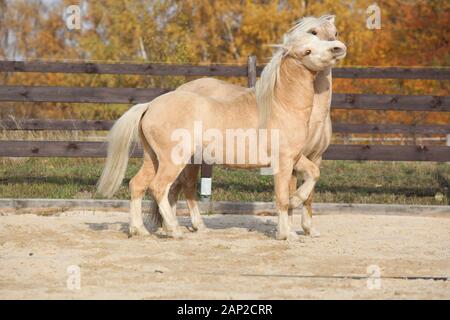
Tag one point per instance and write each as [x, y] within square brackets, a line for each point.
[189, 182]
[174, 192]
[154, 220]
[292, 189]
[138, 185]
[173, 195]
[160, 187]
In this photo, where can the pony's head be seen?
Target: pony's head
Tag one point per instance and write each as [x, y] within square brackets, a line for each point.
[312, 41]
[313, 53]
[322, 27]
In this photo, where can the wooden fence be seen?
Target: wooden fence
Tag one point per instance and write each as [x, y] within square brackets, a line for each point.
[8, 93]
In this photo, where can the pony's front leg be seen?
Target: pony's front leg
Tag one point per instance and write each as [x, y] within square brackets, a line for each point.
[304, 194]
[307, 218]
[282, 182]
[311, 175]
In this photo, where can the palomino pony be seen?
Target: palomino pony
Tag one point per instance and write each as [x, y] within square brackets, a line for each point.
[283, 96]
[319, 133]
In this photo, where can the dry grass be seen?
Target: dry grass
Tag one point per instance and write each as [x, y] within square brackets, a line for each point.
[341, 181]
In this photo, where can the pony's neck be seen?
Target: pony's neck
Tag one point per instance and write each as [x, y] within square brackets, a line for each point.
[295, 86]
[322, 92]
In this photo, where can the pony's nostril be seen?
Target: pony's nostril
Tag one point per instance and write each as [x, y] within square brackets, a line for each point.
[337, 50]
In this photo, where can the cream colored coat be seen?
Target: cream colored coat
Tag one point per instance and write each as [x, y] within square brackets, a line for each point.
[284, 96]
[319, 133]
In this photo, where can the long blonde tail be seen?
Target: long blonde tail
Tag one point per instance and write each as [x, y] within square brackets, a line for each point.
[120, 139]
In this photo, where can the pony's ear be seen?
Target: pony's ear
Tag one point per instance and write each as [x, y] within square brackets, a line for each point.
[284, 48]
[331, 18]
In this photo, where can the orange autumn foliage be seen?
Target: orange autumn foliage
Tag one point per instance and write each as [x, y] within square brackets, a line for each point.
[413, 33]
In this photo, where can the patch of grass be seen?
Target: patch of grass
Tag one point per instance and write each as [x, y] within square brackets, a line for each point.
[341, 181]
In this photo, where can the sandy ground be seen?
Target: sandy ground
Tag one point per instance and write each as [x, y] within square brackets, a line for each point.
[237, 259]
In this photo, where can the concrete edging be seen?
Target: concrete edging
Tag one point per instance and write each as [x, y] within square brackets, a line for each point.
[226, 207]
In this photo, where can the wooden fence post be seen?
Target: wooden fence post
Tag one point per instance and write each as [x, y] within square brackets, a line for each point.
[206, 170]
[251, 71]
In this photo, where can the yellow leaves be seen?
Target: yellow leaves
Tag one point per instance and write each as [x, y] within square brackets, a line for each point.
[228, 30]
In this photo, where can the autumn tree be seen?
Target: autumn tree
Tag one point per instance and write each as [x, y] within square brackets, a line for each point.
[413, 33]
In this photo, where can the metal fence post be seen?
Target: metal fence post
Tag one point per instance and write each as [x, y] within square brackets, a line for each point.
[206, 182]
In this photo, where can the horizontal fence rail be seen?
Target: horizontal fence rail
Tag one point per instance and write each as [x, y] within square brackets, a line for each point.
[40, 124]
[390, 102]
[96, 125]
[424, 73]
[389, 128]
[28, 94]
[150, 69]
[138, 95]
[78, 94]
[419, 73]
[14, 148]
[157, 69]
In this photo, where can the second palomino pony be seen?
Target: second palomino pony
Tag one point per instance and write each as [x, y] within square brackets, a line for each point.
[282, 101]
[319, 133]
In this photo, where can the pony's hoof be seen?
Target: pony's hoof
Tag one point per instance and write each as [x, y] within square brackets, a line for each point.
[293, 236]
[281, 235]
[138, 231]
[200, 228]
[314, 233]
[311, 232]
[153, 222]
[295, 202]
[175, 234]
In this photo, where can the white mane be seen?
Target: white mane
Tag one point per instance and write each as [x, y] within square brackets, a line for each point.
[307, 23]
[265, 86]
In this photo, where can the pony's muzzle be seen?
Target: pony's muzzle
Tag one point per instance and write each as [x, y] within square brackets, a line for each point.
[338, 50]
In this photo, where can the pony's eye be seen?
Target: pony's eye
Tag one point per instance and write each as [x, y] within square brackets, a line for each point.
[307, 52]
[313, 32]
[336, 34]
